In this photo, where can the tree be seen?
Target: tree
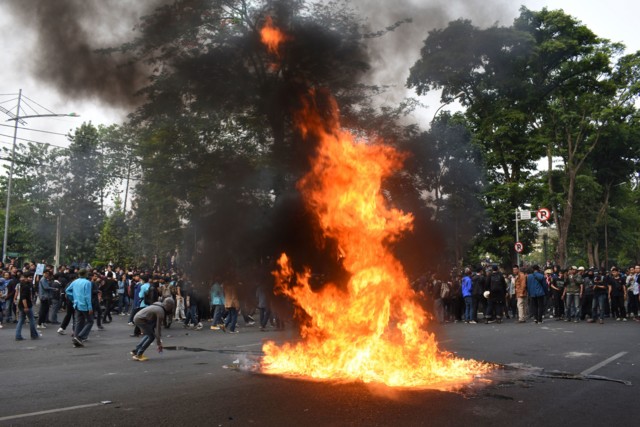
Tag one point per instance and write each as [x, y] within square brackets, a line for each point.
[83, 180]
[114, 245]
[215, 135]
[545, 85]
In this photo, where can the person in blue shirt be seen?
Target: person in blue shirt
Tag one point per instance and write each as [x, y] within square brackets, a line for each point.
[467, 295]
[536, 288]
[79, 291]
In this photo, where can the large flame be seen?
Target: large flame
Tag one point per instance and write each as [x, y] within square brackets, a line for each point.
[372, 330]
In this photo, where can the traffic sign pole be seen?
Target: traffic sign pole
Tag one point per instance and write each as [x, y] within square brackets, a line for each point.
[517, 239]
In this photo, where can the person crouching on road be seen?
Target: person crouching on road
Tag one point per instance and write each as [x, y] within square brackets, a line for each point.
[150, 320]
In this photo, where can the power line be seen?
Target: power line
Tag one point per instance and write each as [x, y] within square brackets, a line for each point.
[31, 140]
[35, 130]
[139, 179]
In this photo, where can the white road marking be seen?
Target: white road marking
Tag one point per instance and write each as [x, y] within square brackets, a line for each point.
[603, 363]
[50, 411]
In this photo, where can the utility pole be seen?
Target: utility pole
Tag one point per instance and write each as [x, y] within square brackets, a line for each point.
[126, 191]
[8, 207]
[57, 261]
[18, 119]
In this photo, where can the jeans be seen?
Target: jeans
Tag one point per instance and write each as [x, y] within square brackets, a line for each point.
[108, 306]
[558, 304]
[22, 316]
[217, 314]
[438, 307]
[232, 319]
[572, 304]
[585, 308]
[123, 303]
[495, 309]
[192, 315]
[67, 318]
[617, 307]
[474, 307]
[84, 322]
[598, 307]
[55, 308]
[264, 317]
[632, 303]
[147, 329]
[97, 309]
[538, 307]
[11, 309]
[43, 314]
[468, 304]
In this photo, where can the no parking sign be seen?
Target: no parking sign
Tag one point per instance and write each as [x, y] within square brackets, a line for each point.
[543, 214]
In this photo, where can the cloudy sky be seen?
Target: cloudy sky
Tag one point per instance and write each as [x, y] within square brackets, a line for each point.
[613, 19]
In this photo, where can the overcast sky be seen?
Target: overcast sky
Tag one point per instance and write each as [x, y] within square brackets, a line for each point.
[612, 19]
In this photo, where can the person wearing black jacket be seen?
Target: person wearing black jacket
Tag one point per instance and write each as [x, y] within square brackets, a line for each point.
[497, 294]
[477, 288]
[617, 294]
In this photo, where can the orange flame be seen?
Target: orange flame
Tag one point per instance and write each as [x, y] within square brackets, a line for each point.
[272, 37]
[374, 331]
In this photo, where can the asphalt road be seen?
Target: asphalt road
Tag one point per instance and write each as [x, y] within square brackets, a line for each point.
[555, 374]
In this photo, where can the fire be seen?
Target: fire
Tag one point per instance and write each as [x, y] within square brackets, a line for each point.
[372, 329]
[272, 37]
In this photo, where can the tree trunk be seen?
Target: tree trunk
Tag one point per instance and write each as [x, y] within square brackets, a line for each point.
[590, 254]
[565, 221]
[596, 256]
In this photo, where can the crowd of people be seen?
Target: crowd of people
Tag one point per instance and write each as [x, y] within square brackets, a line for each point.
[574, 294]
[151, 300]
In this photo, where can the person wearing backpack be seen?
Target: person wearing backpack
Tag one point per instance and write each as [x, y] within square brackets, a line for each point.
[497, 295]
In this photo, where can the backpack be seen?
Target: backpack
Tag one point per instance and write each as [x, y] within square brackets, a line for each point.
[148, 297]
[496, 282]
[445, 290]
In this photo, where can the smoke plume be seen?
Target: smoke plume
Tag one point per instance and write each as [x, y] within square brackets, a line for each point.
[393, 54]
[68, 33]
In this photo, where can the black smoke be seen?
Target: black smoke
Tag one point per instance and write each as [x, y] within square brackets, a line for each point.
[68, 37]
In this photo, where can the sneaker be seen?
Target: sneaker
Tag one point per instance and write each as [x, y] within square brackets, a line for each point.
[77, 342]
[251, 323]
[130, 323]
[215, 328]
[133, 352]
[41, 327]
[101, 328]
[618, 319]
[473, 322]
[624, 320]
[234, 332]
[141, 358]
[601, 321]
[1, 326]
[19, 339]
[61, 331]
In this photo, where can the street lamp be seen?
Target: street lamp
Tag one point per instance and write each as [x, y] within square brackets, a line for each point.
[17, 118]
[447, 102]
